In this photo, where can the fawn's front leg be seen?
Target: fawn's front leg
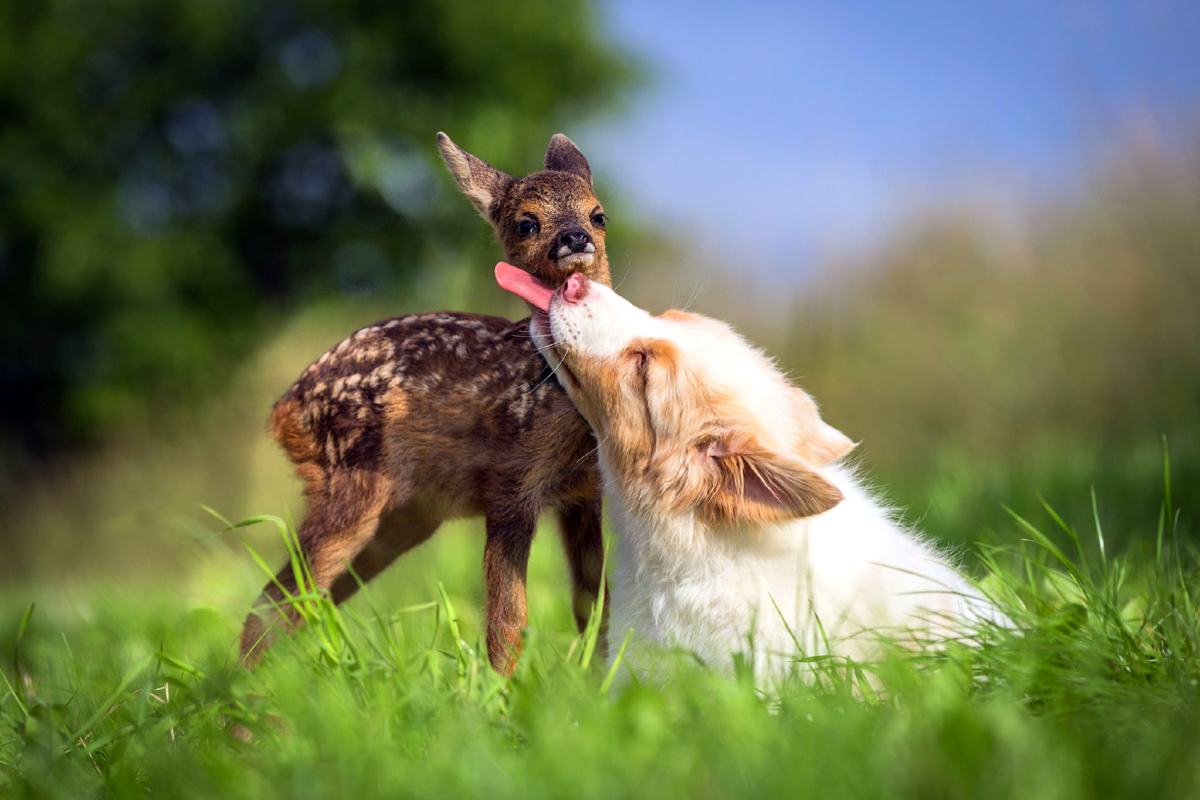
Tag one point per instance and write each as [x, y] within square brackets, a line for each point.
[510, 530]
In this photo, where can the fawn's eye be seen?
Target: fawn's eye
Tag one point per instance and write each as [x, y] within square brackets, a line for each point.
[526, 228]
[599, 220]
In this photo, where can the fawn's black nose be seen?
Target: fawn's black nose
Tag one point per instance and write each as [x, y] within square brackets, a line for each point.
[576, 239]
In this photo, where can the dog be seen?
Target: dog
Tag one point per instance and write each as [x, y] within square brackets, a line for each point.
[428, 417]
[740, 529]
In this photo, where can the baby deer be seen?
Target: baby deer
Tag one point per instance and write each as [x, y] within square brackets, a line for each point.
[428, 417]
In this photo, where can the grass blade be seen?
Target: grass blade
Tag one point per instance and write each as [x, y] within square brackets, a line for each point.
[591, 633]
[1099, 532]
[607, 683]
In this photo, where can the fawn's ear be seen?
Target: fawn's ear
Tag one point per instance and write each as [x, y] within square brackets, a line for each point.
[564, 156]
[821, 442]
[749, 483]
[477, 179]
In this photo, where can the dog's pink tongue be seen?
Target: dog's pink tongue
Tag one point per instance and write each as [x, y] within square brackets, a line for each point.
[524, 286]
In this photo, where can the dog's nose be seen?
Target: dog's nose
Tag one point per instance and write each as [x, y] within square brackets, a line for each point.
[575, 288]
[575, 238]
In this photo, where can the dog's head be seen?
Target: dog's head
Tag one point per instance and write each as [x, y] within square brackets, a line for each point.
[689, 416]
[550, 223]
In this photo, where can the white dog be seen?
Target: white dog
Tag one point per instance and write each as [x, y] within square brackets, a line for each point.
[736, 523]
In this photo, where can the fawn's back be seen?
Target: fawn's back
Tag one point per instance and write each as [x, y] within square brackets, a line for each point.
[453, 407]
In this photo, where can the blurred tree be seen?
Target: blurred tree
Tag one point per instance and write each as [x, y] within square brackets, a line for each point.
[173, 170]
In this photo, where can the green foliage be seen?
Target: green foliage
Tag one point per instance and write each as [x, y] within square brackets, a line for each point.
[1094, 695]
[173, 172]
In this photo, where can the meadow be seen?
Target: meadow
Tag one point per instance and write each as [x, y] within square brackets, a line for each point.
[132, 694]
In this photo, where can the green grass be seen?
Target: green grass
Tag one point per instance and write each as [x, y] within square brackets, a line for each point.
[131, 693]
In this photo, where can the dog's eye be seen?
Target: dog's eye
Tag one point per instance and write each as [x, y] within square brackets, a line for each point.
[526, 228]
[599, 220]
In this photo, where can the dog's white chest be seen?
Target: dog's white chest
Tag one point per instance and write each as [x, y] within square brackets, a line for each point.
[833, 584]
[719, 601]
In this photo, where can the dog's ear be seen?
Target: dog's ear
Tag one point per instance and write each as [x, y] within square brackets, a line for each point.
[564, 156]
[477, 179]
[820, 442]
[749, 483]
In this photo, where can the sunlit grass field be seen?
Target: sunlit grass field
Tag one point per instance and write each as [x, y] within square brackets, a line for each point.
[133, 693]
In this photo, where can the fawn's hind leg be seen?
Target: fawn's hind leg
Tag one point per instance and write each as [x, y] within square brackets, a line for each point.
[580, 528]
[399, 531]
[510, 529]
[343, 518]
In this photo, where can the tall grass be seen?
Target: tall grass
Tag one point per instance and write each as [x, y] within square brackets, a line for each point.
[1094, 694]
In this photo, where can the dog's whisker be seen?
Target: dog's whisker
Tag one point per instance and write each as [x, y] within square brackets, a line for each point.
[543, 381]
[628, 267]
[595, 449]
[695, 294]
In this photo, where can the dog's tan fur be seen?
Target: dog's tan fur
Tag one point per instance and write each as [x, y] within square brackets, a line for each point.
[429, 417]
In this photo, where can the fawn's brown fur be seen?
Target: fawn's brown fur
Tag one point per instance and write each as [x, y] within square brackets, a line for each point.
[427, 417]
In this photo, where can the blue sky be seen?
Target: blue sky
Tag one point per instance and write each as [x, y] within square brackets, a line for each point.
[786, 131]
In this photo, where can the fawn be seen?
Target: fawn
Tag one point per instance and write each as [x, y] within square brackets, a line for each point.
[428, 417]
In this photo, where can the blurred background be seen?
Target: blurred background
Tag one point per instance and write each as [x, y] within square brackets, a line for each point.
[971, 231]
